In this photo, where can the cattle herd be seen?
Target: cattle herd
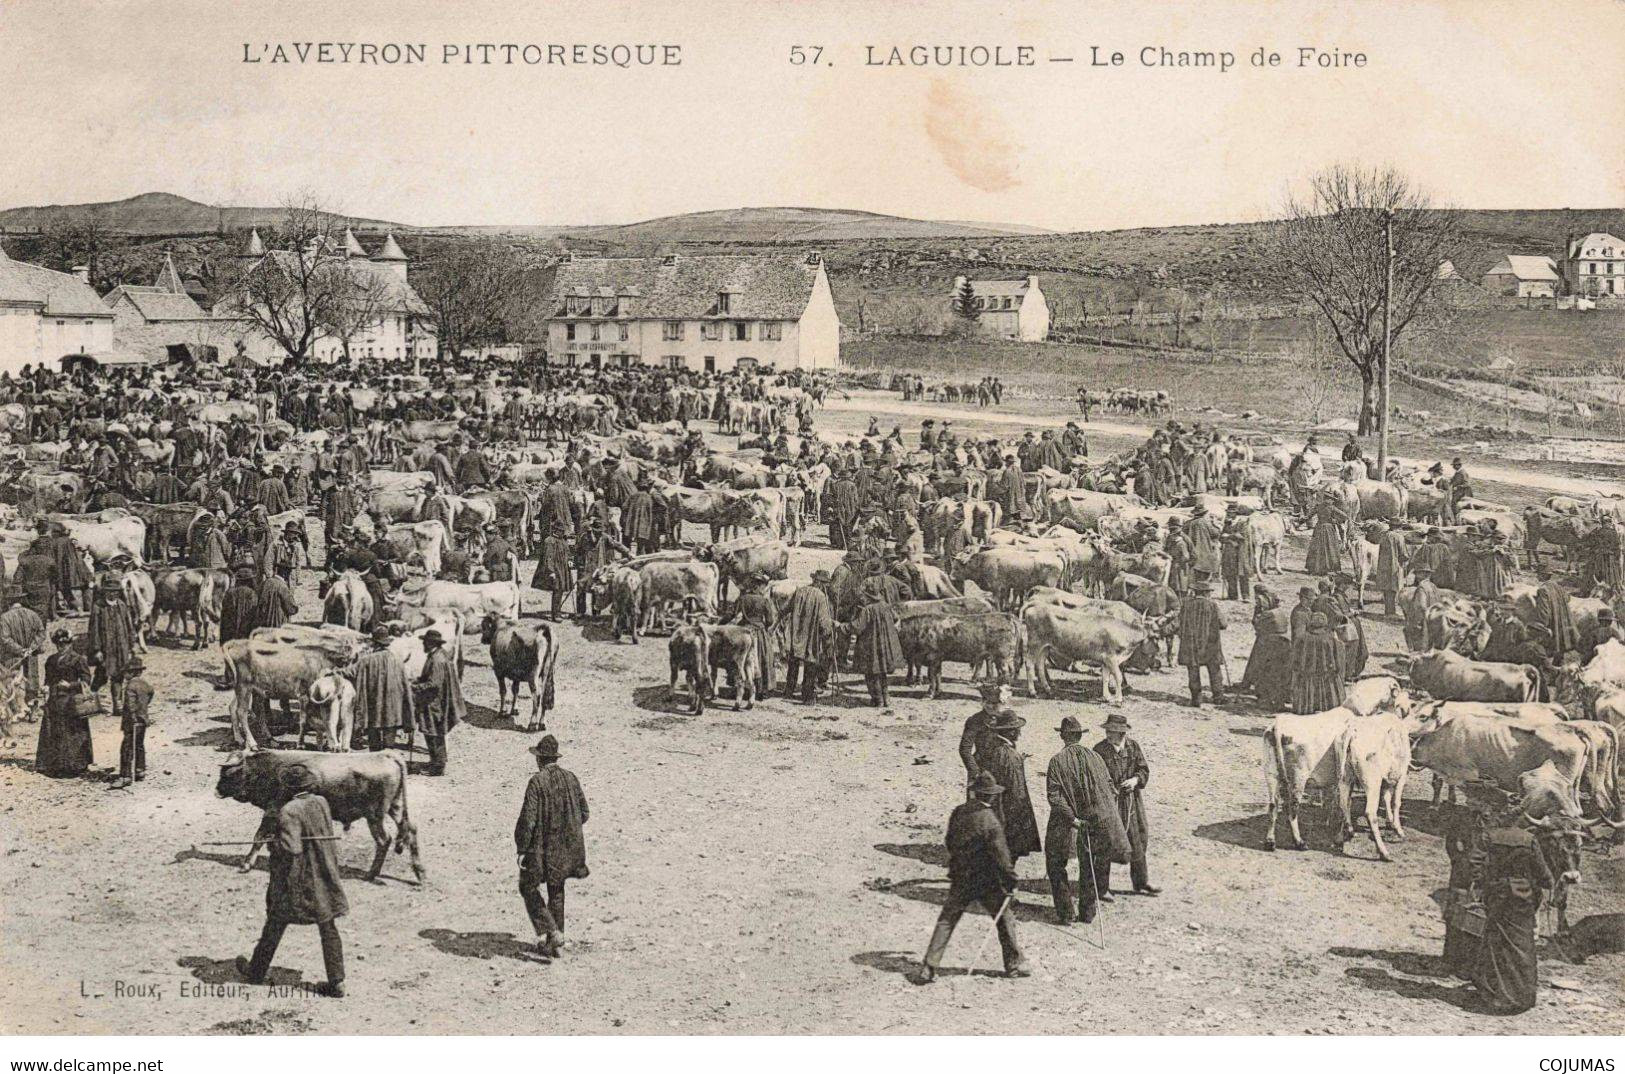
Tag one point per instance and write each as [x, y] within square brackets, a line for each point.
[674, 504]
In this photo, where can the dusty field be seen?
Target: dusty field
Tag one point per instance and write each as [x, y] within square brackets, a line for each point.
[771, 871]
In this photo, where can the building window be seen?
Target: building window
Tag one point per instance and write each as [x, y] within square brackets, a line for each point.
[710, 363]
[622, 332]
[673, 361]
[62, 324]
[570, 330]
[772, 331]
[711, 330]
[738, 330]
[595, 332]
[671, 330]
[722, 301]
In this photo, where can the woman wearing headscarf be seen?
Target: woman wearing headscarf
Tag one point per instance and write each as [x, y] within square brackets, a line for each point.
[64, 732]
[1269, 665]
[1317, 668]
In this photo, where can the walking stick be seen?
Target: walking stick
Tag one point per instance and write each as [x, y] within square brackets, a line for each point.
[996, 919]
[1093, 886]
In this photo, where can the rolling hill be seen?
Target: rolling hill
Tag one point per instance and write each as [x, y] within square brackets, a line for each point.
[789, 224]
[159, 214]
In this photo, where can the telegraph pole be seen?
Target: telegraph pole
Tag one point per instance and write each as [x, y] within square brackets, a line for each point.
[1387, 342]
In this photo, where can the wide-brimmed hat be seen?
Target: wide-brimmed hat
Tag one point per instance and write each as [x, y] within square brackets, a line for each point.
[1201, 585]
[547, 748]
[984, 785]
[110, 584]
[61, 634]
[380, 635]
[995, 691]
[135, 666]
[432, 637]
[1005, 719]
[1070, 726]
[1117, 719]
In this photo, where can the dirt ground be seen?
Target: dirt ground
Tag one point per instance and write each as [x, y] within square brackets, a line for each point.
[770, 871]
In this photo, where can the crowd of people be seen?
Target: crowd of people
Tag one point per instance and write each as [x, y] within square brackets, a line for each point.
[585, 470]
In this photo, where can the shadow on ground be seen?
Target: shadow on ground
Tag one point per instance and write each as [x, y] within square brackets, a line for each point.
[482, 945]
[223, 971]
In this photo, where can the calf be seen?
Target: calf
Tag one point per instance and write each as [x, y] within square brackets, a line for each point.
[689, 655]
[357, 786]
[332, 709]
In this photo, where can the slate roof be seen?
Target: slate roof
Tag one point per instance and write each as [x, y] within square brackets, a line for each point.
[1595, 243]
[761, 287]
[391, 250]
[60, 294]
[158, 304]
[1532, 267]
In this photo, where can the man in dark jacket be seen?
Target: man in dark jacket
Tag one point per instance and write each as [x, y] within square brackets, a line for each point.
[979, 871]
[305, 888]
[1200, 625]
[136, 718]
[438, 702]
[1083, 823]
[549, 843]
[1126, 762]
[240, 607]
[809, 637]
[877, 650]
[1009, 767]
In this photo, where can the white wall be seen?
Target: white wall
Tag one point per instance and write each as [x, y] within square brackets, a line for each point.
[818, 336]
[19, 339]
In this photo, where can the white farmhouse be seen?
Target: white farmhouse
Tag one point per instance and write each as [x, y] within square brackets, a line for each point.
[46, 315]
[400, 329]
[1523, 275]
[709, 313]
[1008, 309]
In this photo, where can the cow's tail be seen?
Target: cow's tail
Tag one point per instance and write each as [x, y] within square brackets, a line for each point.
[546, 632]
[1275, 764]
[1532, 682]
[702, 658]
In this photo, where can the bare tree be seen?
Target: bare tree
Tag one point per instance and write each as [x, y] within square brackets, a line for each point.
[301, 289]
[66, 242]
[472, 289]
[358, 304]
[1332, 247]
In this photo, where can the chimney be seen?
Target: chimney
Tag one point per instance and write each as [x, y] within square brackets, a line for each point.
[1568, 247]
[1032, 283]
[82, 273]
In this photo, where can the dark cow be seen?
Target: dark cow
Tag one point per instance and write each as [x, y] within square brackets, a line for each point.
[189, 593]
[929, 641]
[689, 654]
[521, 653]
[357, 786]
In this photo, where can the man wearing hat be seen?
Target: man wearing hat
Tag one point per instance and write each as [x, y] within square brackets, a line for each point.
[1005, 764]
[304, 888]
[976, 739]
[1126, 762]
[1084, 823]
[549, 843]
[877, 650]
[133, 721]
[1392, 556]
[979, 871]
[240, 607]
[110, 638]
[1414, 602]
[1461, 486]
[842, 501]
[437, 703]
[809, 637]
[1200, 625]
[383, 696]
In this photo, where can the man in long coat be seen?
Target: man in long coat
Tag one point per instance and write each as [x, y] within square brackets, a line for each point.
[1126, 762]
[1005, 764]
[809, 637]
[437, 704]
[638, 519]
[383, 696]
[1200, 627]
[304, 888]
[549, 843]
[240, 607]
[110, 639]
[72, 578]
[340, 505]
[877, 649]
[1415, 602]
[1391, 559]
[842, 497]
[979, 871]
[1084, 823]
[1552, 612]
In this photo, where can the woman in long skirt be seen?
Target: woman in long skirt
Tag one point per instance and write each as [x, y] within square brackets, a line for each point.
[1515, 876]
[1326, 542]
[1269, 665]
[64, 733]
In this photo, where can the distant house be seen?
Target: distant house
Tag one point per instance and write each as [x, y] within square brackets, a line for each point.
[46, 315]
[1594, 265]
[1523, 276]
[708, 313]
[148, 320]
[400, 328]
[1008, 309]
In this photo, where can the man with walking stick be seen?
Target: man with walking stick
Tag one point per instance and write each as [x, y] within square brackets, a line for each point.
[305, 887]
[1083, 821]
[979, 871]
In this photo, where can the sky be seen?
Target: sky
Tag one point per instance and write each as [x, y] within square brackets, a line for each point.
[1486, 104]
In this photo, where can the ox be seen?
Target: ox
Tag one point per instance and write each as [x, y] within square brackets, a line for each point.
[357, 786]
[930, 640]
[1070, 637]
[522, 653]
[1449, 676]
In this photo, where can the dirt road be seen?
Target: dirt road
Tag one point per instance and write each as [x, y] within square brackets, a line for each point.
[769, 871]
